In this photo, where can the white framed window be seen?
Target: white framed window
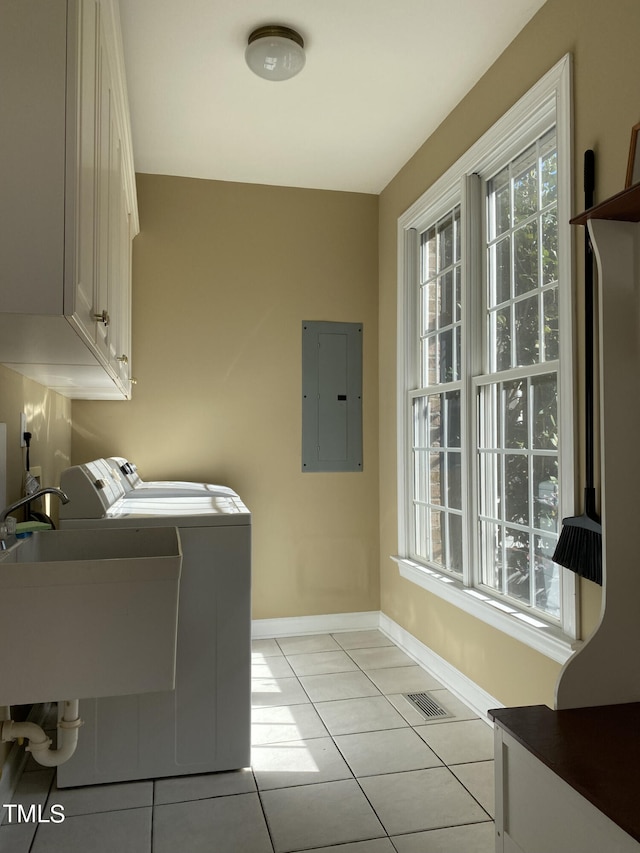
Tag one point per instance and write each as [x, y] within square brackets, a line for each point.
[485, 384]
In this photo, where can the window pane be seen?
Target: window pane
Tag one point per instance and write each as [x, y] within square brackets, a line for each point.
[550, 247]
[545, 408]
[545, 490]
[430, 367]
[452, 400]
[502, 339]
[455, 542]
[445, 306]
[428, 314]
[527, 331]
[517, 564]
[516, 489]
[454, 481]
[526, 258]
[550, 302]
[516, 414]
[525, 185]
[500, 193]
[436, 479]
[446, 356]
[547, 577]
[446, 243]
[502, 272]
[436, 536]
[549, 156]
[428, 254]
[434, 408]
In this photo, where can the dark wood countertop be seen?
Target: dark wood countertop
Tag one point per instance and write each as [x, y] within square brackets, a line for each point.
[594, 750]
[624, 207]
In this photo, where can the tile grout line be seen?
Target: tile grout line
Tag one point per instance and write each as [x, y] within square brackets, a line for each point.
[364, 794]
[331, 735]
[333, 738]
[33, 837]
[153, 813]
[412, 727]
[264, 813]
[471, 794]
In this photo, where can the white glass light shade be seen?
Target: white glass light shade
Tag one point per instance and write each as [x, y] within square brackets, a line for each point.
[275, 53]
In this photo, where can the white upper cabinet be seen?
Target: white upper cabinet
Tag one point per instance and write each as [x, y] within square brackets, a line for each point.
[67, 197]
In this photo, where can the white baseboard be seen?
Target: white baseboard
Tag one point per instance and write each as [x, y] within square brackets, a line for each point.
[331, 623]
[454, 680]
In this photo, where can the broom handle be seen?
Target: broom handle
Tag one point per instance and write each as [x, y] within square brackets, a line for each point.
[589, 182]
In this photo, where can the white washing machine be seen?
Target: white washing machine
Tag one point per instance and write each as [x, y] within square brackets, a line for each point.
[136, 487]
[204, 724]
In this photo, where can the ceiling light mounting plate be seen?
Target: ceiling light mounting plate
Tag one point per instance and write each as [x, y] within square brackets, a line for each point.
[276, 30]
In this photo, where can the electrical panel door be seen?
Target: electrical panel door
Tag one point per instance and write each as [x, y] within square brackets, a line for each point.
[331, 396]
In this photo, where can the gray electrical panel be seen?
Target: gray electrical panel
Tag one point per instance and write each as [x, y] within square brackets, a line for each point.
[331, 396]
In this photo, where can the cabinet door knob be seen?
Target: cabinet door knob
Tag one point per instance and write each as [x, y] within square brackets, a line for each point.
[102, 318]
[123, 359]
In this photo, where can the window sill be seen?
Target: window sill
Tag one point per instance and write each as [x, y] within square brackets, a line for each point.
[545, 638]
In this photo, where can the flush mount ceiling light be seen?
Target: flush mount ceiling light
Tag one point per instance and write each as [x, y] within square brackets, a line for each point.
[275, 52]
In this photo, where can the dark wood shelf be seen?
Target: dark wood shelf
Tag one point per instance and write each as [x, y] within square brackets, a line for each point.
[624, 207]
[594, 750]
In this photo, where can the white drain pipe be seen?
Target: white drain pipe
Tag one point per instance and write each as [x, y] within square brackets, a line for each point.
[39, 744]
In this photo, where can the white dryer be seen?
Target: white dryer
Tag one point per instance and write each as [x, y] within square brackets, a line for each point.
[204, 725]
[135, 487]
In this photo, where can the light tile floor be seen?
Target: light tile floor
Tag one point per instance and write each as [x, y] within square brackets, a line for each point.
[341, 763]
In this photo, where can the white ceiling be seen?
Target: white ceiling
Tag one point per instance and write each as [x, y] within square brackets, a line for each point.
[380, 77]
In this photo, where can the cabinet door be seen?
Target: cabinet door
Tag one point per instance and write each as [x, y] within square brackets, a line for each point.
[123, 330]
[119, 262]
[113, 237]
[86, 197]
[104, 109]
[33, 80]
[538, 811]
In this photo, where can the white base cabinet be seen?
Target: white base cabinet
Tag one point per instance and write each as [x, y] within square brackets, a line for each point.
[68, 200]
[567, 781]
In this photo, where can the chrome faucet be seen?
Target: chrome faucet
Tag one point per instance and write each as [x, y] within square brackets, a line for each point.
[49, 490]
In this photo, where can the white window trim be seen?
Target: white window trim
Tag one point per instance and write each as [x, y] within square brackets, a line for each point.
[489, 151]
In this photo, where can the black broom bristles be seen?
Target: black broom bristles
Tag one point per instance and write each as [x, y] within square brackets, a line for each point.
[579, 547]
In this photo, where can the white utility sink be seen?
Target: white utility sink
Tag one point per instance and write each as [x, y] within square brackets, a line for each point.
[88, 613]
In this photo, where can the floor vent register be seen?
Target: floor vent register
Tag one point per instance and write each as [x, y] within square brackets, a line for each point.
[427, 706]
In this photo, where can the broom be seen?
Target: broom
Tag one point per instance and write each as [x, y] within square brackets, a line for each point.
[579, 547]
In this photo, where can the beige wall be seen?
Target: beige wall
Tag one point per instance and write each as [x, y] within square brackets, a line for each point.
[224, 275]
[49, 422]
[602, 38]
